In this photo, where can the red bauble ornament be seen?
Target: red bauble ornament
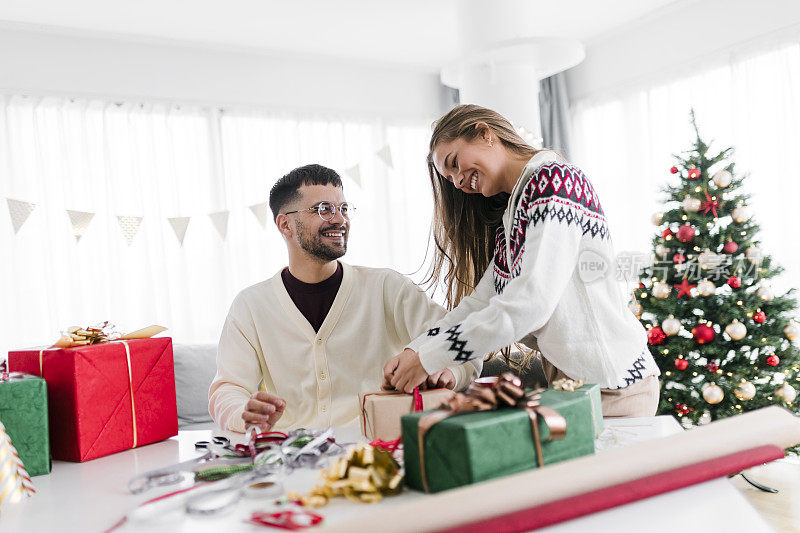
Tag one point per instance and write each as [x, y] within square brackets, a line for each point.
[666, 233]
[694, 173]
[685, 233]
[641, 285]
[759, 317]
[674, 170]
[713, 366]
[734, 282]
[730, 247]
[681, 364]
[678, 258]
[703, 333]
[773, 360]
[656, 335]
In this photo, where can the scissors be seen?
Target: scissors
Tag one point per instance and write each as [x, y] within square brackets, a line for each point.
[215, 444]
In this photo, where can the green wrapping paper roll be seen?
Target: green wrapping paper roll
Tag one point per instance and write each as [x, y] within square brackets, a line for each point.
[23, 411]
[472, 447]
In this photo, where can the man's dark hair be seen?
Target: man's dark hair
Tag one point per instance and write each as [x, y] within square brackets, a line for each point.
[286, 189]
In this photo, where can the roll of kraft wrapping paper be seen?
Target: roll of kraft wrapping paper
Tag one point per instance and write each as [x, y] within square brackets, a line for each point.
[459, 508]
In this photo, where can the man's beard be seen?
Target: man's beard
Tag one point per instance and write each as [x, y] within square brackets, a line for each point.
[314, 244]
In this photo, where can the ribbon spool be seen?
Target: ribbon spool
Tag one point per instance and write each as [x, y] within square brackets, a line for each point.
[507, 391]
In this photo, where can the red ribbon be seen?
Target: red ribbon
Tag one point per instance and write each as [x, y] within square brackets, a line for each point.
[290, 519]
[388, 445]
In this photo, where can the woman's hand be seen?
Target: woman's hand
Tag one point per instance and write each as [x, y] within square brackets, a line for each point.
[442, 379]
[404, 372]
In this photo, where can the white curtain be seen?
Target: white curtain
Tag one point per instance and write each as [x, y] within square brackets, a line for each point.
[166, 161]
[751, 103]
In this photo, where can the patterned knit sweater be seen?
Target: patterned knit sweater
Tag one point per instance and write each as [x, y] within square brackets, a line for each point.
[542, 285]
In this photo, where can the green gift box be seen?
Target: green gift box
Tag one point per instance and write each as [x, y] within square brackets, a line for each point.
[477, 446]
[23, 411]
[593, 392]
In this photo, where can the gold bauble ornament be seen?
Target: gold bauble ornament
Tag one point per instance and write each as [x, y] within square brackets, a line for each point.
[792, 331]
[786, 392]
[660, 290]
[713, 394]
[691, 204]
[722, 178]
[736, 330]
[740, 214]
[706, 288]
[657, 218]
[754, 254]
[635, 307]
[765, 293]
[661, 250]
[708, 260]
[745, 391]
[671, 326]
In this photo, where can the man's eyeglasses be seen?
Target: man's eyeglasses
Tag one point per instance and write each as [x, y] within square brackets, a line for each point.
[327, 210]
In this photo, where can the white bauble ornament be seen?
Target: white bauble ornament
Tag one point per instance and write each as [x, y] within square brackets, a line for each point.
[713, 394]
[786, 392]
[657, 218]
[661, 250]
[635, 307]
[671, 326]
[691, 204]
[745, 391]
[741, 214]
[706, 288]
[754, 254]
[722, 178]
[792, 331]
[708, 260]
[661, 290]
[736, 330]
[765, 293]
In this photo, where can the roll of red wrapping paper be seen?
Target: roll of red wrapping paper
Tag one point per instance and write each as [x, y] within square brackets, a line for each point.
[773, 427]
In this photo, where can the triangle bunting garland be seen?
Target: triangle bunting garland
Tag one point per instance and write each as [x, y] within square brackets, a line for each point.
[19, 212]
[179, 225]
[220, 221]
[129, 227]
[355, 173]
[80, 222]
[260, 211]
[385, 154]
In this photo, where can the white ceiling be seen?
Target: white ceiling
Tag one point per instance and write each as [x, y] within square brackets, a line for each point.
[418, 33]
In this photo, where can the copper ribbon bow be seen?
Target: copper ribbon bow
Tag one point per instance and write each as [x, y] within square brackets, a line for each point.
[506, 392]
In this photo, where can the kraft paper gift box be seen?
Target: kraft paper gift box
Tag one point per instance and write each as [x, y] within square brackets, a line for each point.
[381, 411]
[23, 411]
[471, 447]
[105, 397]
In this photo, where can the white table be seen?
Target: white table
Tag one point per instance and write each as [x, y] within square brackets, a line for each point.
[92, 496]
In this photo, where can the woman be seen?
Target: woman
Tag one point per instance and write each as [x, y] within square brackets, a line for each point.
[524, 243]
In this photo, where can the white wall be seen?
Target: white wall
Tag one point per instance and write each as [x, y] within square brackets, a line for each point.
[677, 39]
[82, 64]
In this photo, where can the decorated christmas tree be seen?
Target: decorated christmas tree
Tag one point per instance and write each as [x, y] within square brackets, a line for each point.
[719, 333]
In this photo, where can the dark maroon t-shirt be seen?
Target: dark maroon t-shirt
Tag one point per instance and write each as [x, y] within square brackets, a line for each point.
[314, 300]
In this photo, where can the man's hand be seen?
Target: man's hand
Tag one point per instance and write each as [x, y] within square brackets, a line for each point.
[444, 378]
[263, 410]
[404, 372]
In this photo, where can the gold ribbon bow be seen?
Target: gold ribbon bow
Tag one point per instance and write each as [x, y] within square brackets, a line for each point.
[507, 391]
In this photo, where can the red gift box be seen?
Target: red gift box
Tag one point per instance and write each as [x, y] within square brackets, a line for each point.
[107, 397]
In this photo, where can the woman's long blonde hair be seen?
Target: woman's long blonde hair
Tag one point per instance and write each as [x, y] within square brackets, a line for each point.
[464, 225]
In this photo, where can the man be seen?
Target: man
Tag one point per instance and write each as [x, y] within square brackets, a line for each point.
[317, 333]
